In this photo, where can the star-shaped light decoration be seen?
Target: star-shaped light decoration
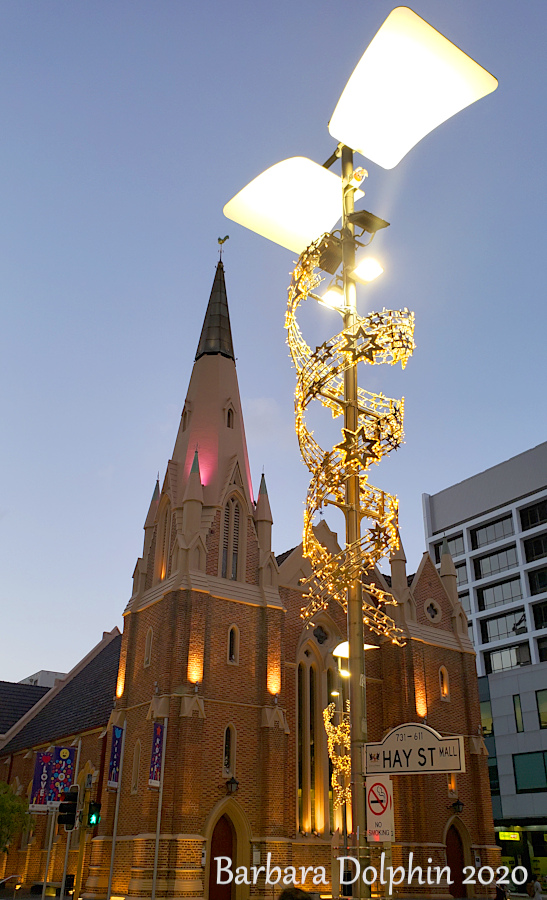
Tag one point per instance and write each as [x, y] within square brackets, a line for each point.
[367, 350]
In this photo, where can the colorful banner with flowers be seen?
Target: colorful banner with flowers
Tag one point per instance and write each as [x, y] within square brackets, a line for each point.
[115, 756]
[157, 753]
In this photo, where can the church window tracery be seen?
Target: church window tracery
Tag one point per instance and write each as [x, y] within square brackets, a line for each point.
[231, 540]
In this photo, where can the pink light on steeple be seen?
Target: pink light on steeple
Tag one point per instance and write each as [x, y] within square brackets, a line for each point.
[212, 419]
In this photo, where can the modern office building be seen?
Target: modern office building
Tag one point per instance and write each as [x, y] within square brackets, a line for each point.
[495, 525]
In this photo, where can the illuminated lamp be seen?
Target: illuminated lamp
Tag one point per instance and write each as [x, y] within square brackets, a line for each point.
[291, 203]
[342, 650]
[367, 269]
[409, 80]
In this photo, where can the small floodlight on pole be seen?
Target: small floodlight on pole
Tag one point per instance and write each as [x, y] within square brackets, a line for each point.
[409, 80]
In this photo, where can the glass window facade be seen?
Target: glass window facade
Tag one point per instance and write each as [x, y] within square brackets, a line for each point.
[541, 700]
[493, 775]
[499, 627]
[530, 772]
[540, 615]
[495, 562]
[455, 547]
[461, 574]
[519, 723]
[487, 721]
[465, 601]
[536, 547]
[494, 531]
[507, 658]
[538, 581]
[499, 594]
[542, 649]
[533, 515]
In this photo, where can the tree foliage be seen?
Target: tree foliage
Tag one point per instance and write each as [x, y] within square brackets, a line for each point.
[13, 815]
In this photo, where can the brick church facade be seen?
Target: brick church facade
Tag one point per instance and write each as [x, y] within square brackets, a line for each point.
[215, 651]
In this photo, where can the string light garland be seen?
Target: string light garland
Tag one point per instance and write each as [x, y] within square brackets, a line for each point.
[385, 337]
[339, 745]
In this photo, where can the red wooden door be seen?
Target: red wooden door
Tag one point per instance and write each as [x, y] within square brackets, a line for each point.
[455, 859]
[222, 844]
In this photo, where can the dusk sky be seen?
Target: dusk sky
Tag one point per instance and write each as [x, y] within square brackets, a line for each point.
[126, 126]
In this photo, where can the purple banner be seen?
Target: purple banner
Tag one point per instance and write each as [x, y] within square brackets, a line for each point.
[53, 774]
[157, 753]
[115, 755]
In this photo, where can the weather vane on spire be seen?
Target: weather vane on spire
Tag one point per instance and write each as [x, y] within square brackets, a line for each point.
[221, 242]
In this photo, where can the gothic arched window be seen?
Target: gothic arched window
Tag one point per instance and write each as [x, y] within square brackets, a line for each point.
[229, 752]
[231, 540]
[444, 684]
[313, 767]
[233, 645]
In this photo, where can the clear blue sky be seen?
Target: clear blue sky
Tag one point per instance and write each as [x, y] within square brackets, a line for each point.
[126, 126]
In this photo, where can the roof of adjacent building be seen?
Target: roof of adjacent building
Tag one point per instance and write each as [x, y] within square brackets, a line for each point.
[216, 334]
[283, 556]
[15, 700]
[508, 482]
[83, 703]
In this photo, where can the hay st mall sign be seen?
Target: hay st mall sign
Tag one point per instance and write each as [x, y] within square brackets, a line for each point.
[414, 749]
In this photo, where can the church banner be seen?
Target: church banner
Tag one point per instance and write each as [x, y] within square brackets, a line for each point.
[115, 755]
[53, 775]
[154, 779]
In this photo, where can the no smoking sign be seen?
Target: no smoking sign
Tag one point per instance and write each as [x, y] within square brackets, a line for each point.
[379, 793]
[378, 799]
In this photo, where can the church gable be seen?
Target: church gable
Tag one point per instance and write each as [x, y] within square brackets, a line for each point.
[433, 606]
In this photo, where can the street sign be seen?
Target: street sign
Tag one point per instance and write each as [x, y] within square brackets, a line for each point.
[414, 749]
[379, 794]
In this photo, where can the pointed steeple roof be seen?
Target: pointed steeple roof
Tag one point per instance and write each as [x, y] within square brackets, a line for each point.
[153, 508]
[216, 334]
[263, 512]
[193, 490]
[212, 418]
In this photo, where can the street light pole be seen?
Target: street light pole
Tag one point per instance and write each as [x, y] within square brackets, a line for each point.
[357, 687]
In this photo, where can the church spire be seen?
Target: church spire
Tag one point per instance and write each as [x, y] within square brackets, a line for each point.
[212, 420]
[216, 334]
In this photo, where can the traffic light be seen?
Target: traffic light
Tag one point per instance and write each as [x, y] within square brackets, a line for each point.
[68, 808]
[94, 813]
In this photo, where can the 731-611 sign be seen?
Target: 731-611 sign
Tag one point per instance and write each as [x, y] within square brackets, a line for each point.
[414, 749]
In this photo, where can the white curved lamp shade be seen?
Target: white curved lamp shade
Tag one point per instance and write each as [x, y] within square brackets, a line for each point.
[342, 650]
[409, 80]
[292, 203]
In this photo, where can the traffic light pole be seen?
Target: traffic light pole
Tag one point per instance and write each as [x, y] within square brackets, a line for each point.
[81, 849]
[51, 822]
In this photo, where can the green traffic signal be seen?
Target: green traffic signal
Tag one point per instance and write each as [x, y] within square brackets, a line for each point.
[94, 813]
